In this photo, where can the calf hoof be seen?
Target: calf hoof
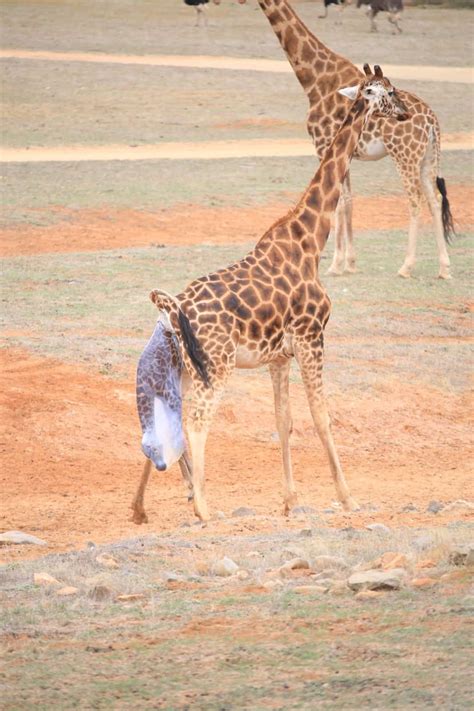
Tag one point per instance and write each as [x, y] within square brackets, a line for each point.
[404, 272]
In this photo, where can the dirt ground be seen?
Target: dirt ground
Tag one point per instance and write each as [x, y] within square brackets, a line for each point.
[81, 243]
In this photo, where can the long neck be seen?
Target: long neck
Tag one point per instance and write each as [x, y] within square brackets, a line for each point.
[321, 197]
[319, 70]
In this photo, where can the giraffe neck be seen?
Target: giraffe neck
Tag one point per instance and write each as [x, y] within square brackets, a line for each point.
[317, 68]
[321, 197]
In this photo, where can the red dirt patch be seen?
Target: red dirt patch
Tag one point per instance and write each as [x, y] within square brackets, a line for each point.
[71, 452]
[89, 230]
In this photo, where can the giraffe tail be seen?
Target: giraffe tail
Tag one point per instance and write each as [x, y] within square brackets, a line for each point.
[167, 305]
[446, 216]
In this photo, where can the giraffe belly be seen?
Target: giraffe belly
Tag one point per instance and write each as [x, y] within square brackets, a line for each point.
[374, 150]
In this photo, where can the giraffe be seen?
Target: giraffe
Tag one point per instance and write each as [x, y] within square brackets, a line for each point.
[158, 393]
[414, 145]
[271, 306]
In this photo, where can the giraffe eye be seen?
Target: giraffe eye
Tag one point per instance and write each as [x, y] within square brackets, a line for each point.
[391, 93]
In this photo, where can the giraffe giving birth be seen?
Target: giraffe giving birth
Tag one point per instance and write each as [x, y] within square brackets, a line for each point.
[414, 145]
[269, 307]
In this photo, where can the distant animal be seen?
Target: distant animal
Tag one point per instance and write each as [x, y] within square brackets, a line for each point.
[393, 7]
[340, 5]
[200, 7]
[158, 392]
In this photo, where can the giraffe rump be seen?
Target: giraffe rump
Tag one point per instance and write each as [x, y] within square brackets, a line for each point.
[448, 223]
[168, 304]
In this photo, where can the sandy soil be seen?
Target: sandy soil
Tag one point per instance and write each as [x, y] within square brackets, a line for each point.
[201, 150]
[88, 230]
[72, 456]
[462, 75]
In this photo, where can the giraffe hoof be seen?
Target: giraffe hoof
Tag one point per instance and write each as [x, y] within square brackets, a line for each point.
[333, 271]
[350, 270]
[351, 505]
[139, 517]
[444, 275]
[404, 273]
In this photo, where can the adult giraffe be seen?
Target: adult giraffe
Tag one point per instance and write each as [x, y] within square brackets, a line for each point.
[414, 145]
[267, 308]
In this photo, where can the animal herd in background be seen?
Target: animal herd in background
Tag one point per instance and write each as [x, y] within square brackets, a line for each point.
[270, 306]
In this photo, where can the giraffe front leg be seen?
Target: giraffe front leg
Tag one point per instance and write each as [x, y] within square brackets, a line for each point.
[309, 354]
[139, 516]
[281, 384]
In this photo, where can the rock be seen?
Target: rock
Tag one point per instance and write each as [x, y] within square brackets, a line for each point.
[409, 508]
[220, 515]
[464, 555]
[310, 589]
[20, 538]
[67, 591]
[368, 594]
[108, 561]
[131, 597]
[45, 579]
[390, 560]
[328, 511]
[460, 505]
[294, 564]
[377, 579]
[305, 533]
[272, 584]
[243, 511]
[100, 593]
[170, 577]
[225, 567]
[338, 588]
[423, 582]
[303, 510]
[378, 528]
[325, 562]
[435, 507]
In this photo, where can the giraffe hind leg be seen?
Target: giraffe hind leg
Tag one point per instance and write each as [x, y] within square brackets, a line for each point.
[280, 380]
[139, 516]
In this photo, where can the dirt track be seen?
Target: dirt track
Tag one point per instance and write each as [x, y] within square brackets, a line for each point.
[461, 75]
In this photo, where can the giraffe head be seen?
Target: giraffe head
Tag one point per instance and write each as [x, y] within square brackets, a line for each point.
[379, 92]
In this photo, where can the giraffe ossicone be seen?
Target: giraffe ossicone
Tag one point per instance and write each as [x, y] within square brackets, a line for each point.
[268, 308]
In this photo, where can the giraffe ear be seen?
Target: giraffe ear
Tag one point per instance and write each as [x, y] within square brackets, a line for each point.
[349, 91]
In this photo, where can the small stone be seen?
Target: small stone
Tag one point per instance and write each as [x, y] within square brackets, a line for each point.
[100, 592]
[243, 574]
[409, 508]
[243, 511]
[328, 511]
[389, 561]
[460, 505]
[368, 594]
[303, 510]
[378, 528]
[108, 561]
[423, 582]
[131, 597]
[225, 567]
[67, 591]
[464, 555]
[254, 554]
[325, 562]
[377, 579]
[435, 507]
[425, 563]
[305, 533]
[45, 579]
[310, 589]
[171, 577]
[220, 515]
[294, 564]
[20, 538]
